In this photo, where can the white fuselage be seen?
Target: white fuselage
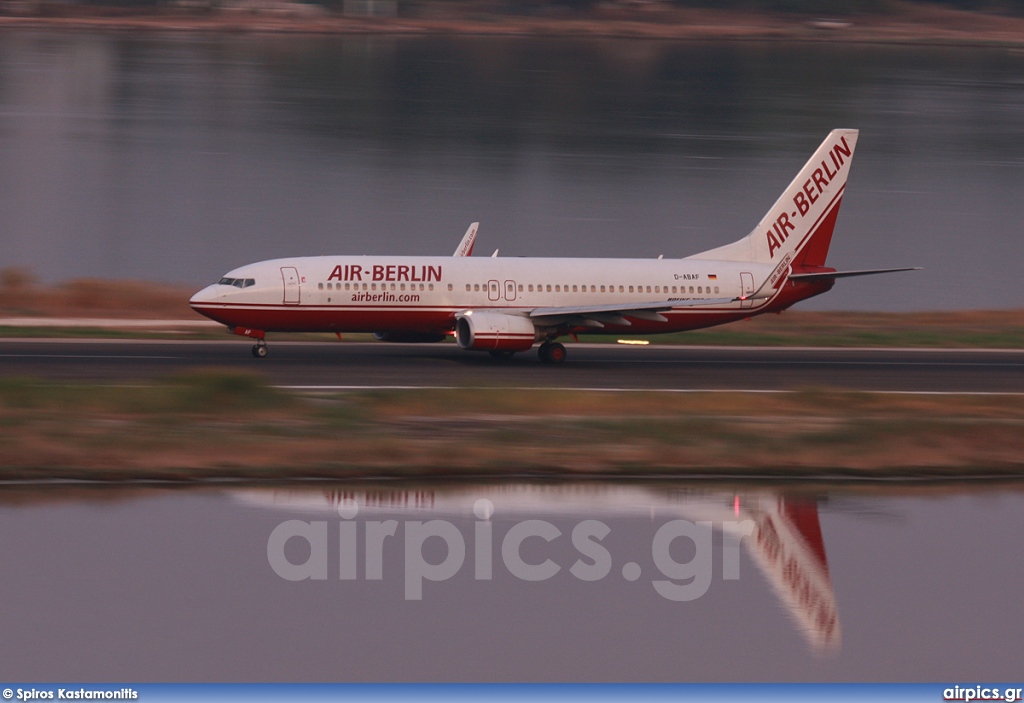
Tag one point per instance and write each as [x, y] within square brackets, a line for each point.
[381, 293]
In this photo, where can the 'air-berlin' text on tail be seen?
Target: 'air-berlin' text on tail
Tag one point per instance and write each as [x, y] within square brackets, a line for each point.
[797, 230]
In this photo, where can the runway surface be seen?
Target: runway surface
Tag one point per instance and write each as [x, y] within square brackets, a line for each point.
[588, 366]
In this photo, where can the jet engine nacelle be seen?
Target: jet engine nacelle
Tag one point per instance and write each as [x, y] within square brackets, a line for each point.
[410, 337]
[494, 331]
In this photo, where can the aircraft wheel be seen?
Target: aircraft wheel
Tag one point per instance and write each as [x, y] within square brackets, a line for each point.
[259, 351]
[551, 353]
[556, 354]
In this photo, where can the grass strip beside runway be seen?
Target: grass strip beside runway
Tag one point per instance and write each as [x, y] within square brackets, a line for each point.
[217, 425]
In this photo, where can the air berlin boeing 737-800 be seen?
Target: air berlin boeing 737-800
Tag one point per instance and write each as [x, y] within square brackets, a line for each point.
[506, 305]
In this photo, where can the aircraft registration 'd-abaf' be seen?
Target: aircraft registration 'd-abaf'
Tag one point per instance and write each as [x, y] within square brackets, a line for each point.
[506, 305]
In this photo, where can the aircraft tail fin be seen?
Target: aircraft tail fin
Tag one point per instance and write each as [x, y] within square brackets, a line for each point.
[797, 230]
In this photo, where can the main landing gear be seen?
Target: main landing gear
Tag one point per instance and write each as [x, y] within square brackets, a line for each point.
[551, 353]
[259, 350]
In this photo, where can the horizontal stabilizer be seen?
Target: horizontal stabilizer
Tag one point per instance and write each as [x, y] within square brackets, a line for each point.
[824, 276]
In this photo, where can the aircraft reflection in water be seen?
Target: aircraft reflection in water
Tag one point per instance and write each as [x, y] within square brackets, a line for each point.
[785, 540]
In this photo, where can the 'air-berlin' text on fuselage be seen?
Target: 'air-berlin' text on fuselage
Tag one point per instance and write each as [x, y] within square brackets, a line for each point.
[808, 195]
[378, 272]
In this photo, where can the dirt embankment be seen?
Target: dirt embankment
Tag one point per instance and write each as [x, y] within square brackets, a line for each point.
[22, 296]
[903, 23]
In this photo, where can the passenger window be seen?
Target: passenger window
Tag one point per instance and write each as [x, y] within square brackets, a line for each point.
[476, 287]
[574, 289]
[602, 289]
[347, 286]
[320, 286]
[400, 287]
[657, 289]
[673, 289]
[558, 288]
[373, 286]
[530, 287]
[549, 288]
[520, 287]
[716, 289]
[631, 289]
[648, 289]
[700, 289]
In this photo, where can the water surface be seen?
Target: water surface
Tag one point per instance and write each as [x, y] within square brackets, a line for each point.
[168, 585]
[178, 157]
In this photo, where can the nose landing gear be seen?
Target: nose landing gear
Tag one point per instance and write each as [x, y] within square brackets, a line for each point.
[260, 349]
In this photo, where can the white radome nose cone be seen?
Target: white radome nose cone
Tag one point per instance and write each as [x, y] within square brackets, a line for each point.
[204, 296]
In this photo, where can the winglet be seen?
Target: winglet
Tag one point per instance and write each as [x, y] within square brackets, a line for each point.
[465, 247]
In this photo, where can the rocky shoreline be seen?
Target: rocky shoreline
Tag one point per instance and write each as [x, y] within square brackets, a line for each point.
[904, 24]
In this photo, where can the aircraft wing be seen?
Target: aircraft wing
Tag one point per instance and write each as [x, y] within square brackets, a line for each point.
[616, 313]
[845, 274]
[465, 247]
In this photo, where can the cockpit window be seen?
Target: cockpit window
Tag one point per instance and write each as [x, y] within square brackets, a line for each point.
[237, 282]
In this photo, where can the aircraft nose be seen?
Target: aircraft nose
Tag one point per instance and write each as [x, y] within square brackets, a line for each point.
[206, 295]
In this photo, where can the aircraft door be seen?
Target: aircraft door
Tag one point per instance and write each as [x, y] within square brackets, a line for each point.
[292, 290]
[493, 290]
[510, 290]
[746, 288]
